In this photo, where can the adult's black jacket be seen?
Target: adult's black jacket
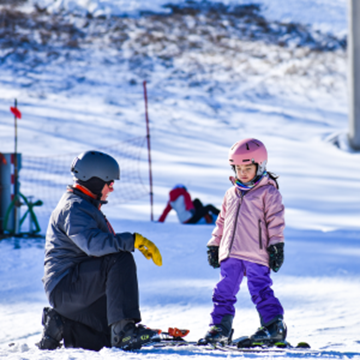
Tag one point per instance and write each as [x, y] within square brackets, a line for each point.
[78, 229]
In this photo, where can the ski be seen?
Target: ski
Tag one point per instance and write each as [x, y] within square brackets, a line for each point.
[174, 337]
[292, 350]
[245, 344]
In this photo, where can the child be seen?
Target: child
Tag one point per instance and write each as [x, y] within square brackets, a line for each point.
[188, 211]
[248, 240]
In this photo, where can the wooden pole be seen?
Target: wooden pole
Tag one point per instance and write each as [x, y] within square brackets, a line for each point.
[149, 152]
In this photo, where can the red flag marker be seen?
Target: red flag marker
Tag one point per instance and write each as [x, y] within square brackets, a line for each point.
[2, 159]
[16, 112]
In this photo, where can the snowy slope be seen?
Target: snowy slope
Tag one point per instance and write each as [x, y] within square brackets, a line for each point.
[201, 100]
[329, 15]
[317, 286]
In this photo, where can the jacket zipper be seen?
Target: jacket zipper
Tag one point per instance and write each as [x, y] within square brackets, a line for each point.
[237, 215]
[260, 237]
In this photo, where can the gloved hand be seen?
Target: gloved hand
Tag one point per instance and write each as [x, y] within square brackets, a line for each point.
[276, 253]
[148, 249]
[213, 256]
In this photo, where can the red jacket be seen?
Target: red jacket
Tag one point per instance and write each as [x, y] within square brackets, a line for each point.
[180, 201]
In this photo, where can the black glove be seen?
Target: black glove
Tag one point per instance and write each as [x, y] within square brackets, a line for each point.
[213, 256]
[276, 253]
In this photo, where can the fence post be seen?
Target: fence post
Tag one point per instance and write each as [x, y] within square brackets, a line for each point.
[8, 187]
[354, 73]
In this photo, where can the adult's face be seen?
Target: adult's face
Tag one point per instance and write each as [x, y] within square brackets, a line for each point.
[107, 189]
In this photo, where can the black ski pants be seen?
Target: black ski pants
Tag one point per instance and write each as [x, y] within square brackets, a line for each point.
[99, 292]
[201, 211]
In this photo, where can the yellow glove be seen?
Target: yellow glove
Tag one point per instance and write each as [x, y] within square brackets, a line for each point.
[148, 249]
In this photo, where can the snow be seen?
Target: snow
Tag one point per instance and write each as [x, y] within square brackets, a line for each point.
[201, 101]
[317, 286]
[324, 15]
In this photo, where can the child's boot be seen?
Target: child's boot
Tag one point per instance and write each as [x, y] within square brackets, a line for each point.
[271, 332]
[220, 332]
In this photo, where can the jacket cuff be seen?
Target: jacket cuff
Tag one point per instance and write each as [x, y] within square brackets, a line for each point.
[126, 241]
[214, 241]
[275, 240]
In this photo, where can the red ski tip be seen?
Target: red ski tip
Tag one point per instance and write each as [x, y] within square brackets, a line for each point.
[175, 332]
[16, 112]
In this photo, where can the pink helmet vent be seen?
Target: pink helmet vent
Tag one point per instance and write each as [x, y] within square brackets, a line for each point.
[249, 151]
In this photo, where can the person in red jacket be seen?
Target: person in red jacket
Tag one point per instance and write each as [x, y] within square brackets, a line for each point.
[188, 211]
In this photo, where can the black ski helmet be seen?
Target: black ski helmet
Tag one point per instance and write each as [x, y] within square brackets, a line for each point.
[93, 163]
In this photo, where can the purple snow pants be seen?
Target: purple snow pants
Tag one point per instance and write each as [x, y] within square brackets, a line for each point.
[259, 282]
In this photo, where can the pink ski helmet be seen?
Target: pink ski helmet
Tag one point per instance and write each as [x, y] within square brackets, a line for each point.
[249, 151]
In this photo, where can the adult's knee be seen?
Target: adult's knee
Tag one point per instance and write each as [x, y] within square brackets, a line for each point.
[123, 256]
[122, 260]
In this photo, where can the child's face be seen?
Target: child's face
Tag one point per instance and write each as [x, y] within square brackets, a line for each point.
[245, 173]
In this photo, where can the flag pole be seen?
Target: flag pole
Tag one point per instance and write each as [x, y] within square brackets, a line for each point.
[149, 151]
[15, 120]
[16, 173]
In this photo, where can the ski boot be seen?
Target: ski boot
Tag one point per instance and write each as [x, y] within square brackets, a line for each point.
[132, 337]
[271, 333]
[220, 333]
[53, 330]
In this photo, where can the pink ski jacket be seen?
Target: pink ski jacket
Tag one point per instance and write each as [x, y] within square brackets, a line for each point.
[249, 223]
